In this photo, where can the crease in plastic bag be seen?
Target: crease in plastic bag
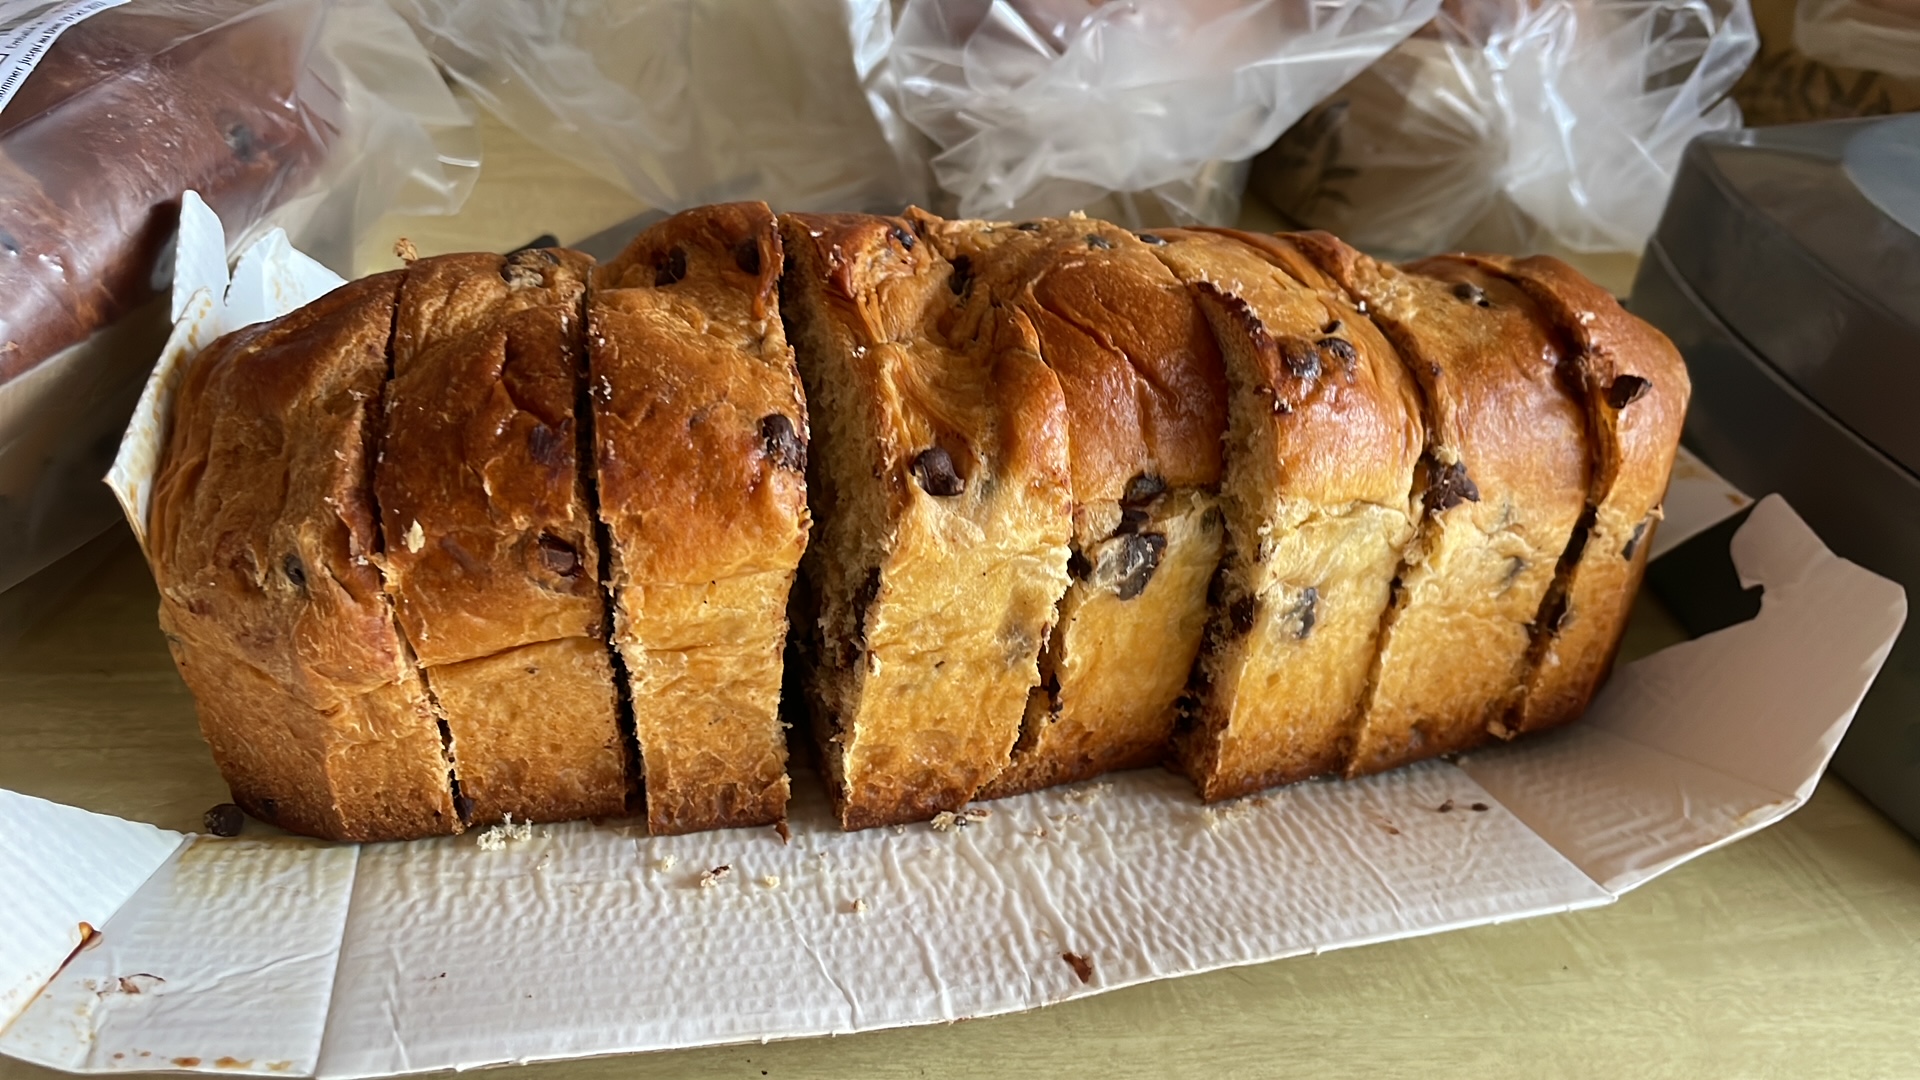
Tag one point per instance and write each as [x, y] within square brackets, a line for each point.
[684, 102]
[313, 115]
[1870, 35]
[1516, 126]
[1140, 111]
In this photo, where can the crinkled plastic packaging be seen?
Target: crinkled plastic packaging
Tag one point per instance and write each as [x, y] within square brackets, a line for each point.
[1139, 111]
[313, 114]
[1518, 126]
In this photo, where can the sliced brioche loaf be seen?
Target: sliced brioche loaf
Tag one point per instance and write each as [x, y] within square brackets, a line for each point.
[701, 443]
[940, 478]
[1634, 387]
[1505, 479]
[490, 553]
[1323, 435]
[1146, 405]
[263, 539]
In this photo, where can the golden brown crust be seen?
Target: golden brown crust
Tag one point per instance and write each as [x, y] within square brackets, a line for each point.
[263, 539]
[1505, 480]
[490, 553]
[1323, 436]
[489, 542]
[1635, 389]
[944, 495]
[1146, 406]
[701, 447]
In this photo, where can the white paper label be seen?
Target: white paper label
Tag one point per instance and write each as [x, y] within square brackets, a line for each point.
[28, 28]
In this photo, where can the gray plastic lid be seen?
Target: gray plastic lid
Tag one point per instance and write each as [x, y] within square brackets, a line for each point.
[1805, 241]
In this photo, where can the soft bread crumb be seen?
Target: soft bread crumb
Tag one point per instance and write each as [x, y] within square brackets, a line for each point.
[858, 907]
[710, 878]
[508, 831]
[416, 537]
[666, 862]
[404, 250]
[1090, 793]
[947, 820]
[771, 881]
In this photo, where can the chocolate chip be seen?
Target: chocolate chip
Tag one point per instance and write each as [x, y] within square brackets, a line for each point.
[1131, 520]
[962, 275]
[1626, 390]
[907, 239]
[670, 267]
[1479, 808]
[1472, 293]
[1149, 238]
[746, 255]
[546, 447]
[1302, 359]
[462, 805]
[225, 820]
[782, 443]
[1098, 243]
[1028, 226]
[1449, 487]
[1241, 614]
[241, 140]
[559, 556]
[1143, 489]
[933, 468]
[1139, 556]
[1304, 613]
[295, 570]
[1342, 350]
[1633, 542]
[1078, 566]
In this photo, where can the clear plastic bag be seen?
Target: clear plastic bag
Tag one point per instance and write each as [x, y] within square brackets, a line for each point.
[685, 102]
[978, 107]
[1141, 111]
[1516, 126]
[1869, 35]
[313, 114]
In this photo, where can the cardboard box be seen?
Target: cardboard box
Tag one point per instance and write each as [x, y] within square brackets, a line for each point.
[136, 948]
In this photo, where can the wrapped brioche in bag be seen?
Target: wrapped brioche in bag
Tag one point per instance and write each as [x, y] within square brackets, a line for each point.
[315, 115]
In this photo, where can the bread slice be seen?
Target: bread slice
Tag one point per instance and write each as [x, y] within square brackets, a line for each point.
[490, 552]
[940, 479]
[264, 538]
[1146, 407]
[701, 446]
[1323, 436]
[1506, 475]
[1635, 389]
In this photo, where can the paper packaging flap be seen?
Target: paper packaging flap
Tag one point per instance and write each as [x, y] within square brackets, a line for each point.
[290, 957]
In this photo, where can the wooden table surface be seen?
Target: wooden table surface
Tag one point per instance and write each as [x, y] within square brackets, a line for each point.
[1794, 953]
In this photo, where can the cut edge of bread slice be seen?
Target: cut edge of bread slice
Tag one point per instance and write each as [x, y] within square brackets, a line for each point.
[1634, 386]
[941, 476]
[1323, 438]
[701, 445]
[1145, 402]
[1503, 485]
